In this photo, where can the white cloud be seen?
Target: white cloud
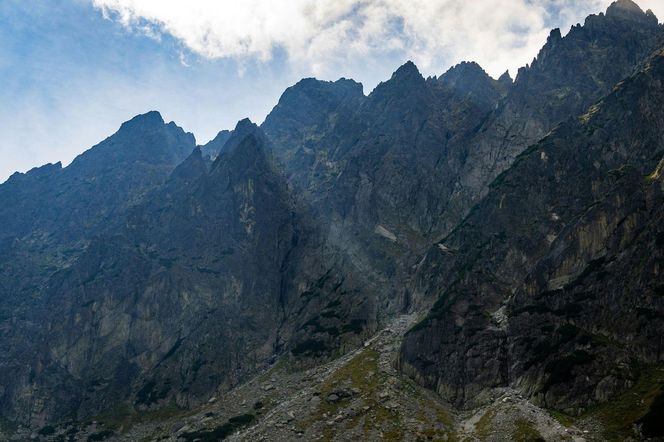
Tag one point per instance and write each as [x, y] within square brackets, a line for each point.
[321, 37]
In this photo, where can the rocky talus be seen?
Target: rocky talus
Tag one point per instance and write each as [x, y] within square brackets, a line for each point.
[360, 395]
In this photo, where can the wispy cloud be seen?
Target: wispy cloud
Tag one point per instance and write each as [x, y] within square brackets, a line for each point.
[322, 35]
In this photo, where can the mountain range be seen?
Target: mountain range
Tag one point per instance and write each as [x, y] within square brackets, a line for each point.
[446, 258]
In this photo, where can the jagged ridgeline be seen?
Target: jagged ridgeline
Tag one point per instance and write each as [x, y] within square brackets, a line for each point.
[508, 233]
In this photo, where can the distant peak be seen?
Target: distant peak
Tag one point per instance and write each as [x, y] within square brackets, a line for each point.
[214, 146]
[307, 82]
[341, 87]
[404, 81]
[628, 10]
[195, 156]
[506, 78]
[191, 168]
[465, 76]
[348, 87]
[241, 152]
[348, 82]
[37, 172]
[625, 5]
[152, 118]
[464, 68]
[407, 71]
[554, 35]
[244, 130]
[469, 79]
[222, 134]
[245, 126]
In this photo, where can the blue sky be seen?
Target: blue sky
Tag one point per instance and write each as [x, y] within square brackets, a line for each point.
[70, 78]
[73, 70]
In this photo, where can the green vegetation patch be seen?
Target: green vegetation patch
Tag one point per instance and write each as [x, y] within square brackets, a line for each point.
[564, 419]
[361, 373]
[124, 416]
[484, 425]
[525, 431]
[356, 372]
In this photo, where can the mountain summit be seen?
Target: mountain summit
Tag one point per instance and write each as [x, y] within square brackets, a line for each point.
[628, 10]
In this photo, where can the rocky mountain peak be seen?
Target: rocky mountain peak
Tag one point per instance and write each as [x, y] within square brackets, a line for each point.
[349, 85]
[191, 168]
[311, 101]
[227, 140]
[249, 148]
[148, 119]
[466, 77]
[506, 78]
[145, 137]
[313, 87]
[245, 125]
[221, 135]
[469, 80]
[407, 73]
[407, 86]
[554, 36]
[152, 122]
[37, 172]
[246, 146]
[625, 30]
[214, 146]
[628, 10]
[309, 92]
[463, 69]
[243, 129]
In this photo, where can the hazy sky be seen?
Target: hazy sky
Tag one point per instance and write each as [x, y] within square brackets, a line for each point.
[71, 71]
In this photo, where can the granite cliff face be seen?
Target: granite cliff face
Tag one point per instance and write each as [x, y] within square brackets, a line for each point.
[445, 139]
[50, 216]
[394, 171]
[209, 277]
[175, 294]
[518, 220]
[533, 288]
